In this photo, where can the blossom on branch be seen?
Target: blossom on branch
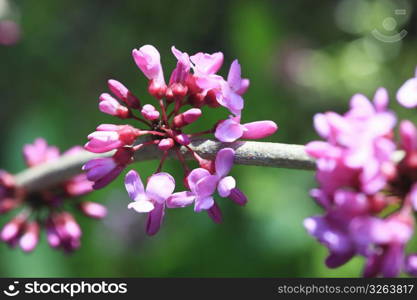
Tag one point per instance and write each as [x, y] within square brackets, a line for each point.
[46, 208]
[369, 197]
[193, 85]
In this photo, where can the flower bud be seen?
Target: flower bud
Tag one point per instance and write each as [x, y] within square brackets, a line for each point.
[215, 213]
[166, 144]
[187, 117]
[30, 237]
[111, 106]
[93, 209]
[149, 112]
[182, 139]
[121, 92]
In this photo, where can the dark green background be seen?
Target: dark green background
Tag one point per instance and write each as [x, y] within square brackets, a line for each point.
[302, 57]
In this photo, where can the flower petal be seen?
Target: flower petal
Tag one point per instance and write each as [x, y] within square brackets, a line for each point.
[207, 64]
[194, 176]
[234, 77]
[204, 203]
[225, 186]
[155, 218]
[160, 186]
[134, 186]
[141, 206]
[206, 186]
[224, 161]
[148, 60]
[180, 199]
[259, 129]
[229, 131]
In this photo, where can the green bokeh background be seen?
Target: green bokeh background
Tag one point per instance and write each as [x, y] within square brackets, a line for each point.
[301, 56]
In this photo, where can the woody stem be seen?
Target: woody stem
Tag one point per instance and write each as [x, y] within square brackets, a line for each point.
[247, 153]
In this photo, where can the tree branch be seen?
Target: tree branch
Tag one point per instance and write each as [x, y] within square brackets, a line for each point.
[247, 153]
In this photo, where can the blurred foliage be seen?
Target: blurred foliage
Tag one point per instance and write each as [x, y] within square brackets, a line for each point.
[302, 57]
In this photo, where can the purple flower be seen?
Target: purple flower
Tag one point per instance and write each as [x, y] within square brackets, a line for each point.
[30, 237]
[109, 137]
[180, 73]
[148, 60]
[44, 209]
[387, 239]
[93, 209]
[231, 93]
[159, 188]
[104, 170]
[63, 232]
[39, 152]
[230, 130]
[357, 140]
[149, 112]
[203, 184]
[112, 107]
[193, 82]
[123, 94]
[205, 64]
[332, 232]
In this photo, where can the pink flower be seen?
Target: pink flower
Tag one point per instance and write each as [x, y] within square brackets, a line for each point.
[111, 106]
[358, 139]
[166, 144]
[39, 209]
[232, 91]
[93, 209]
[159, 188]
[205, 67]
[189, 116]
[12, 230]
[387, 239]
[63, 231]
[180, 73]
[148, 60]
[407, 94]
[203, 184]
[39, 152]
[122, 93]
[230, 130]
[102, 171]
[332, 232]
[206, 64]
[149, 112]
[354, 167]
[30, 237]
[109, 137]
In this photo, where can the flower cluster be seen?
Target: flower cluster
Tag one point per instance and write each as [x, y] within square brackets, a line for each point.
[45, 208]
[369, 193]
[193, 85]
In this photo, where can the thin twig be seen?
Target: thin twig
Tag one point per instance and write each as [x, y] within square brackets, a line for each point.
[247, 153]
